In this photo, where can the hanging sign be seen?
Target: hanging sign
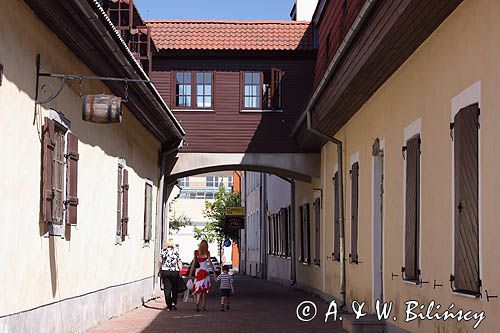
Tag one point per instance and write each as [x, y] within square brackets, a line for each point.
[235, 211]
[235, 217]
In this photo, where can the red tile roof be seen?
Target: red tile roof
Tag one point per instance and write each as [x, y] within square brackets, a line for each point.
[232, 35]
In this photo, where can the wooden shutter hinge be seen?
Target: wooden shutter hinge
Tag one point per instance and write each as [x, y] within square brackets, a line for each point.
[125, 187]
[452, 126]
[403, 151]
[73, 155]
[71, 201]
[51, 194]
[452, 279]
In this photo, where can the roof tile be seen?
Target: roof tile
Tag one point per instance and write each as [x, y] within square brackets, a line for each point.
[232, 35]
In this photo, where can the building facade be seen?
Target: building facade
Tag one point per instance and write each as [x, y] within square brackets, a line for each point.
[268, 235]
[407, 213]
[190, 203]
[81, 220]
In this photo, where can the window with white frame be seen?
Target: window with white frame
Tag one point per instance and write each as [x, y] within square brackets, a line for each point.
[212, 181]
[183, 182]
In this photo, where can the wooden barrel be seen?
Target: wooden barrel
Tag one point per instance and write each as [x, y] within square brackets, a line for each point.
[102, 109]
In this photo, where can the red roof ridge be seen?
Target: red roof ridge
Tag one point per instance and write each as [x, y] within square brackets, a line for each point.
[229, 21]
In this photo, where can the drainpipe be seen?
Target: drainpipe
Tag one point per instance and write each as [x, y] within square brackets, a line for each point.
[340, 196]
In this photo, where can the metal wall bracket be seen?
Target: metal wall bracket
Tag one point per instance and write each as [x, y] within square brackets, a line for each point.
[54, 92]
[488, 296]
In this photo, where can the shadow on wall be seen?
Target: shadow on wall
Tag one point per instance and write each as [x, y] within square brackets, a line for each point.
[53, 265]
[273, 133]
[128, 140]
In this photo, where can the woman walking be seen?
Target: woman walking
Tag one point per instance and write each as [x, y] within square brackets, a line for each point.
[201, 262]
[170, 272]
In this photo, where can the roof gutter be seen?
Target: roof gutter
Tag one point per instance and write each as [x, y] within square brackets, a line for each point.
[91, 8]
[348, 39]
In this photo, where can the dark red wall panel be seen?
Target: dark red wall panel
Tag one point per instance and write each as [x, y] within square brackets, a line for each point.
[227, 129]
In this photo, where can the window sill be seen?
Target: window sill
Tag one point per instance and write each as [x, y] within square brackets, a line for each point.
[412, 282]
[193, 110]
[466, 294]
[260, 111]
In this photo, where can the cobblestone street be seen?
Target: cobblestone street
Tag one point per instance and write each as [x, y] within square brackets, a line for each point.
[258, 306]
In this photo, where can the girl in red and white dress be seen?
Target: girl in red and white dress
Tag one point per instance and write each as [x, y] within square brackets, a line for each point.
[201, 285]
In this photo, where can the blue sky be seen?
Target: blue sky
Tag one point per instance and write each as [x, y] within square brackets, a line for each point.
[215, 9]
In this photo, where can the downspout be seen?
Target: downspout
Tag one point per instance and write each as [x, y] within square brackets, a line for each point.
[239, 234]
[340, 196]
[161, 206]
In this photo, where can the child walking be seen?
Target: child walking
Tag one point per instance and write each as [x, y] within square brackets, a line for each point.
[226, 287]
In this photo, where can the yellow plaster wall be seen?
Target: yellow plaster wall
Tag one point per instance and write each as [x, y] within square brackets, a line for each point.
[461, 52]
[38, 270]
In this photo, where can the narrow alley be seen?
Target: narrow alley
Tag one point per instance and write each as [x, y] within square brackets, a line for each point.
[249, 312]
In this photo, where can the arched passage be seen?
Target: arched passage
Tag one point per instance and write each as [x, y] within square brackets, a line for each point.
[296, 166]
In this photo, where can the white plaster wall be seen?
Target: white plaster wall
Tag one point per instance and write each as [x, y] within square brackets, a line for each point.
[252, 231]
[38, 270]
[278, 195]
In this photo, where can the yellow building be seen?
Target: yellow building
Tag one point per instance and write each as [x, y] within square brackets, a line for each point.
[415, 119]
[81, 215]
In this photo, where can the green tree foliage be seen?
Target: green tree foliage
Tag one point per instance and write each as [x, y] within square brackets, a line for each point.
[215, 212]
[176, 222]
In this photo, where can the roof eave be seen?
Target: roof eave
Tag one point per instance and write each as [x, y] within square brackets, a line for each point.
[144, 100]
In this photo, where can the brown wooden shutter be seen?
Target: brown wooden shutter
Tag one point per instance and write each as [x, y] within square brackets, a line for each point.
[269, 236]
[276, 234]
[48, 158]
[148, 212]
[283, 231]
[466, 147]
[119, 202]
[72, 158]
[287, 231]
[336, 231]
[273, 231]
[308, 233]
[412, 218]
[302, 238]
[317, 242]
[125, 205]
[354, 211]
[275, 93]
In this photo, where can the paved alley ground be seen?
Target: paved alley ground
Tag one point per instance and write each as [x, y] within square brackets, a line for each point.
[258, 306]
